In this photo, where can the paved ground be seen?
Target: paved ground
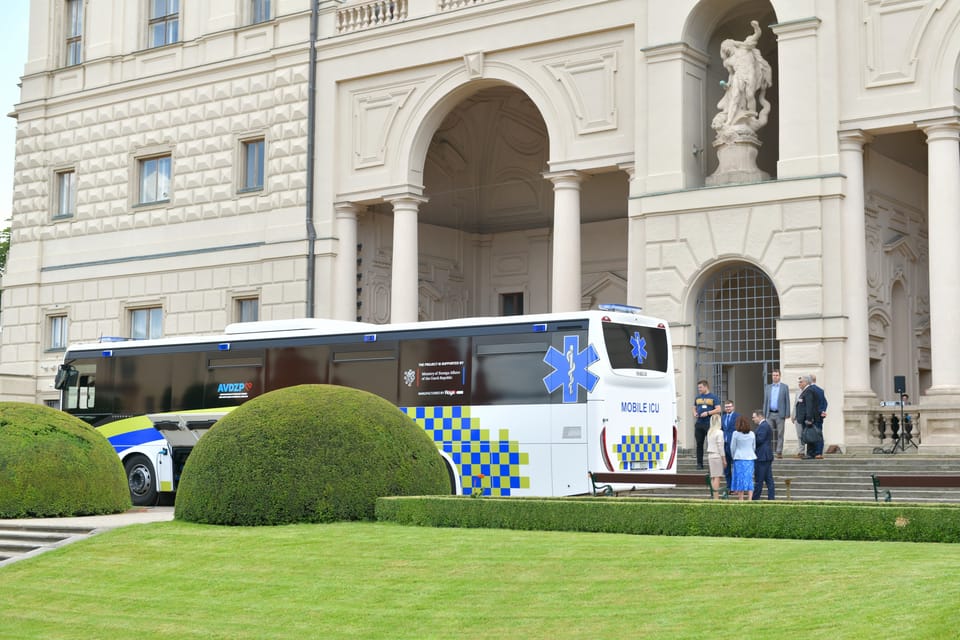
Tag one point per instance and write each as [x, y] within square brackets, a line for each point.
[136, 515]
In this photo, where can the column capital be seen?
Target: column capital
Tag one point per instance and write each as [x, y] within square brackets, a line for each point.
[941, 128]
[565, 179]
[406, 200]
[347, 209]
[854, 139]
[802, 28]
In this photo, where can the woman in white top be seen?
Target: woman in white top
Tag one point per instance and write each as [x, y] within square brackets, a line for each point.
[743, 452]
[715, 457]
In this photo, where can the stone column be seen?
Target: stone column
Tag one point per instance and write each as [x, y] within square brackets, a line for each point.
[345, 283]
[940, 408]
[566, 289]
[404, 286]
[857, 358]
[636, 242]
[858, 397]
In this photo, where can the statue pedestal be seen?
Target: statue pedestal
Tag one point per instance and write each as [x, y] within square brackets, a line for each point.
[738, 163]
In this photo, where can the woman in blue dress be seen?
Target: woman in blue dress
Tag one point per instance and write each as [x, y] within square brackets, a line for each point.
[743, 452]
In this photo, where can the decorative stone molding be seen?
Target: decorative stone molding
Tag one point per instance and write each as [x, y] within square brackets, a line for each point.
[474, 64]
[891, 49]
[374, 114]
[589, 83]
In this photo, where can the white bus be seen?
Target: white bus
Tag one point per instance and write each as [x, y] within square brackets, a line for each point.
[517, 406]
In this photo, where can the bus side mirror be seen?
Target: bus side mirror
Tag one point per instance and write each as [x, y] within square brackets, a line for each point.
[65, 375]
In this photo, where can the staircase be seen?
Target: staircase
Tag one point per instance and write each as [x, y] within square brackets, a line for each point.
[18, 541]
[836, 477]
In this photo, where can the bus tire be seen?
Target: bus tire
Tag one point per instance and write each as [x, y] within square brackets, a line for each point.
[141, 480]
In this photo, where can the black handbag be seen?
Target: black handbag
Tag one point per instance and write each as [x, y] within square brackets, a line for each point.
[810, 434]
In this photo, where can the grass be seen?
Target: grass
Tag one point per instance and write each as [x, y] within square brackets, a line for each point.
[378, 580]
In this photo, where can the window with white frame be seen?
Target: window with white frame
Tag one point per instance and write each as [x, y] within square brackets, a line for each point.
[163, 26]
[146, 323]
[57, 332]
[154, 179]
[65, 189]
[252, 152]
[248, 309]
[74, 32]
[259, 11]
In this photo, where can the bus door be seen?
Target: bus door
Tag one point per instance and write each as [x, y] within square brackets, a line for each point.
[181, 431]
[569, 379]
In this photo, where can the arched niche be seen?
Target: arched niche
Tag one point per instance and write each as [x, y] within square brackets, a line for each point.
[708, 24]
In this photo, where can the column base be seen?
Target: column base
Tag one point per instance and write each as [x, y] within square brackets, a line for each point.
[940, 421]
[859, 432]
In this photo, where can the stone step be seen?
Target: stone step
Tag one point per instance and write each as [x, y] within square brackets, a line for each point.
[19, 541]
[837, 478]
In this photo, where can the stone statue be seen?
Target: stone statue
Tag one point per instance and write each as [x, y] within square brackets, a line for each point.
[738, 121]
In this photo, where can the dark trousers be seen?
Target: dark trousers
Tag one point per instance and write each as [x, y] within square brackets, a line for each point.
[816, 449]
[700, 433]
[728, 470]
[763, 472]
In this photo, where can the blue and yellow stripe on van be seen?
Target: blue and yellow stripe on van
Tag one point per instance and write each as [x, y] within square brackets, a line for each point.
[130, 432]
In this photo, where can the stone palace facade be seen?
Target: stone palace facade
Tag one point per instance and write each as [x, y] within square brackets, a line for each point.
[184, 165]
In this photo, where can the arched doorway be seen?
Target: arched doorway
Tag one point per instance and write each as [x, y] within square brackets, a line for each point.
[485, 232]
[736, 321]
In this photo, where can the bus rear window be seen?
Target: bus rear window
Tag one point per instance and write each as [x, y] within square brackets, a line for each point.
[633, 347]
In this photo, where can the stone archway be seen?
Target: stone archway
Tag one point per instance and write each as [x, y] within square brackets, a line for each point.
[486, 225]
[736, 316]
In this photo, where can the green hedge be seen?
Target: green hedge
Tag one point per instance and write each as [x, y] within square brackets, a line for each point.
[310, 453]
[52, 464]
[799, 520]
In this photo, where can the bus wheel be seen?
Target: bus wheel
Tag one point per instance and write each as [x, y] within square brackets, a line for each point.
[141, 480]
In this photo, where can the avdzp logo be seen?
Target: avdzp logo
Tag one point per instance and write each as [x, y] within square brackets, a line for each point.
[234, 389]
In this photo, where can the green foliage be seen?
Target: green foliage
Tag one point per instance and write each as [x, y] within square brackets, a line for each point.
[310, 453]
[798, 520]
[52, 464]
[4, 249]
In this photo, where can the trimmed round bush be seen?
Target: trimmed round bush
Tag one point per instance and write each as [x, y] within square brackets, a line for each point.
[310, 453]
[53, 464]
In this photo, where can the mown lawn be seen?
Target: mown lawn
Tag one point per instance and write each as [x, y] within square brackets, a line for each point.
[373, 580]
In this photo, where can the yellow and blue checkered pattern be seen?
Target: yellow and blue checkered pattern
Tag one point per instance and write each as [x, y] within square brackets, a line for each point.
[638, 448]
[487, 466]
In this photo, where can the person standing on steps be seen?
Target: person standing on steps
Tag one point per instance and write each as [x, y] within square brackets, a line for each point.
[716, 457]
[821, 413]
[805, 414]
[743, 448]
[704, 405]
[729, 425]
[763, 467]
[776, 409]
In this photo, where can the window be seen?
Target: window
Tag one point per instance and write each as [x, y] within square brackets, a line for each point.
[248, 309]
[53, 404]
[58, 332]
[164, 25]
[252, 165]
[154, 179]
[146, 323]
[66, 194]
[74, 32]
[259, 11]
[511, 304]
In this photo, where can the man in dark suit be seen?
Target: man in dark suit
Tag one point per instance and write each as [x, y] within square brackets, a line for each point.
[776, 409]
[763, 467]
[807, 413]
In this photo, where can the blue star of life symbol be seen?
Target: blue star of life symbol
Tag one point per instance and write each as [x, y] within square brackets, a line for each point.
[570, 368]
[639, 350]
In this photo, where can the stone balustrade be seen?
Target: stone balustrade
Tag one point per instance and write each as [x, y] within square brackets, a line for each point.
[370, 14]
